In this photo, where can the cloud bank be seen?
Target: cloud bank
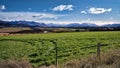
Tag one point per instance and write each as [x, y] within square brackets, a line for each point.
[33, 16]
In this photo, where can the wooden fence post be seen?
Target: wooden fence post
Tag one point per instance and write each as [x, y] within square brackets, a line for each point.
[98, 50]
[54, 42]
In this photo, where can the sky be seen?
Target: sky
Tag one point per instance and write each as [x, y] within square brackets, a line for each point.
[99, 12]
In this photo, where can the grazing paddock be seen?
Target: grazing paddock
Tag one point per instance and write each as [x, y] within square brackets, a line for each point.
[39, 49]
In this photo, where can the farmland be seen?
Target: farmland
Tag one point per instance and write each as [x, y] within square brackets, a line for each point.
[40, 50]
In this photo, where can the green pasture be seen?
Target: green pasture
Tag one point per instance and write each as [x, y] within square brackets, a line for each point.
[40, 50]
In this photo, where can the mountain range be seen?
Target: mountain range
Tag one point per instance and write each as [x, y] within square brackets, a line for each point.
[36, 24]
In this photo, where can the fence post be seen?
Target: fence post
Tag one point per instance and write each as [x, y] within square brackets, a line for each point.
[54, 42]
[98, 50]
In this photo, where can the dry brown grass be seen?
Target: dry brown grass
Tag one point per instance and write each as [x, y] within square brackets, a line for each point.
[107, 60]
[15, 64]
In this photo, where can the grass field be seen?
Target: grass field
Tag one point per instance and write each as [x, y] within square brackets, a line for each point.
[39, 50]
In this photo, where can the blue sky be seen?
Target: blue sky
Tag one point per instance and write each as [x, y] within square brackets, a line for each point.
[61, 11]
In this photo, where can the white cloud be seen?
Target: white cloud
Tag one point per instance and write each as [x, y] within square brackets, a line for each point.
[111, 18]
[83, 12]
[27, 16]
[2, 7]
[56, 22]
[44, 10]
[110, 9]
[100, 23]
[118, 15]
[97, 22]
[88, 19]
[96, 10]
[30, 8]
[63, 7]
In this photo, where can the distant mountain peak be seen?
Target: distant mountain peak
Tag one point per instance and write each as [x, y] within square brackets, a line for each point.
[38, 24]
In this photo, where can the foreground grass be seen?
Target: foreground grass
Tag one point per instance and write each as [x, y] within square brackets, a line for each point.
[39, 50]
[109, 59]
